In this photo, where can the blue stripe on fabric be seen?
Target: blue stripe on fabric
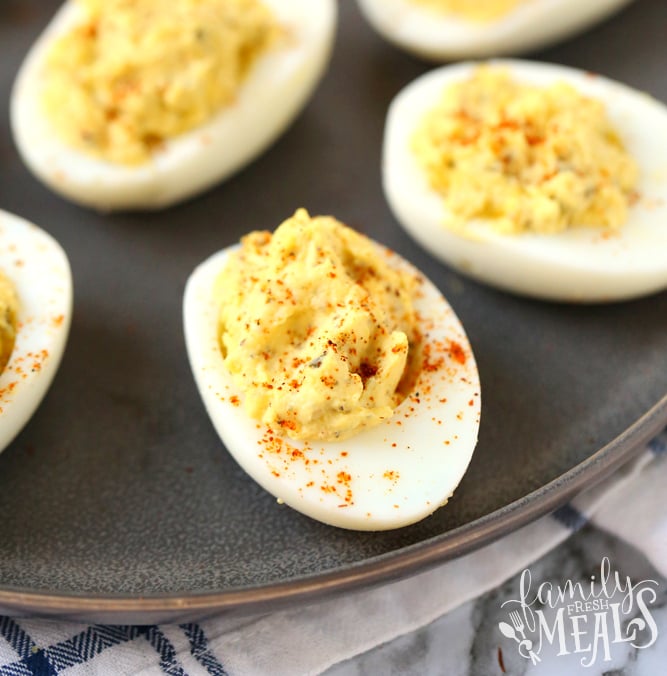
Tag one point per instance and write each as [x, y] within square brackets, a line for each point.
[18, 639]
[81, 648]
[89, 643]
[33, 661]
[570, 517]
[168, 662]
[39, 665]
[16, 669]
[200, 651]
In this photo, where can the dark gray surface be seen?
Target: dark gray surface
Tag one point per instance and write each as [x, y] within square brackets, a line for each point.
[119, 485]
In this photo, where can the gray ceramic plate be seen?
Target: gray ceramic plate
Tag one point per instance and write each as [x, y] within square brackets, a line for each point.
[118, 500]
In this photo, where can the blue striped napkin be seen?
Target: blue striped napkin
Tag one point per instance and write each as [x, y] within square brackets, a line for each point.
[632, 505]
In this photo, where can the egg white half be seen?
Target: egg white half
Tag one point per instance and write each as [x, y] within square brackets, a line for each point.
[581, 264]
[399, 472]
[439, 37]
[39, 270]
[272, 94]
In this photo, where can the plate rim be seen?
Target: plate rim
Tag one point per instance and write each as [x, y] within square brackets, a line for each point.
[375, 571]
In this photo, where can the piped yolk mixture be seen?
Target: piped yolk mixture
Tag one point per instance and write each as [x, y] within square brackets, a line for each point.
[8, 312]
[134, 73]
[471, 10]
[525, 158]
[316, 328]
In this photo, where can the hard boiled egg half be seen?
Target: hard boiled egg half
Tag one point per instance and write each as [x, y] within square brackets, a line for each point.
[272, 93]
[448, 32]
[38, 270]
[588, 264]
[384, 477]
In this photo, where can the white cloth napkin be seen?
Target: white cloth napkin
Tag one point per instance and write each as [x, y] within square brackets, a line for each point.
[632, 505]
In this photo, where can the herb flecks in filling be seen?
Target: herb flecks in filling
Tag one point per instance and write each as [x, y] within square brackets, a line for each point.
[317, 329]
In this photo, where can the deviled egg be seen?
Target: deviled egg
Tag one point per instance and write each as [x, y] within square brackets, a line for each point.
[440, 30]
[524, 195]
[335, 373]
[140, 105]
[36, 296]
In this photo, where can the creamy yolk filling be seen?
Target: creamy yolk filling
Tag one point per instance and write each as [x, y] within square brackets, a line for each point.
[136, 72]
[526, 158]
[8, 313]
[472, 10]
[316, 328]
